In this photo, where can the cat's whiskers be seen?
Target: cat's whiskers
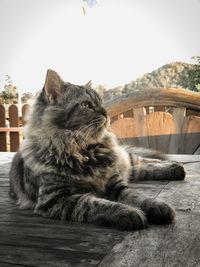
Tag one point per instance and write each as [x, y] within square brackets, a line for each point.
[85, 131]
[90, 131]
[91, 128]
[85, 128]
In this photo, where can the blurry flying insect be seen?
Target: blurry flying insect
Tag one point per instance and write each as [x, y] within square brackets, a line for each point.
[90, 3]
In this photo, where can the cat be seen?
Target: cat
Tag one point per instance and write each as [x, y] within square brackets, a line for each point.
[70, 166]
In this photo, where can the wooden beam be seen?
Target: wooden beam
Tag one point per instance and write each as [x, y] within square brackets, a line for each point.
[3, 139]
[14, 122]
[174, 97]
[11, 129]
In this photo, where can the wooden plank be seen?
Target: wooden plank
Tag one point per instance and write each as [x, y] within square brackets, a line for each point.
[139, 115]
[3, 264]
[159, 108]
[193, 124]
[179, 116]
[190, 112]
[25, 111]
[47, 257]
[191, 128]
[124, 128]
[159, 123]
[11, 129]
[176, 140]
[3, 140]
[14, 122]
[128, 114]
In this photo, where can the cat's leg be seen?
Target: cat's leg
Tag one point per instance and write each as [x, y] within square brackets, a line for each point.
[19, 188]
[156, 212]
[54, 203]
[107, 213]
[155, 169]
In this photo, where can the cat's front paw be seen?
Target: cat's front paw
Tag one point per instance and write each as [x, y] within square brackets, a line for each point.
[177, 171]
[158, 212]
[134, 220]
[124, 218]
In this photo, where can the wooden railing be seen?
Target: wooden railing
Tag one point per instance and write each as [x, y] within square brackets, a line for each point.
[162, 119]
[11, 126]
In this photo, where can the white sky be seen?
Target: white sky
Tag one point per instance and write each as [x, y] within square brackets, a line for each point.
[114, 43]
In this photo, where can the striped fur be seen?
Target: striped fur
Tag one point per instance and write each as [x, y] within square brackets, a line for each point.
[71, 167]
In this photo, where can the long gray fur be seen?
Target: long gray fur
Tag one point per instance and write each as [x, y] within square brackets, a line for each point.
[71, 167]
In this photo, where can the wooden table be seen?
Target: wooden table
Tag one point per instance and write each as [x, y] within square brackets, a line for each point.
[29, 240]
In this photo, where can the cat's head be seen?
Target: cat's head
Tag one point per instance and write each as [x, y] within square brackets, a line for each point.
[72, 108]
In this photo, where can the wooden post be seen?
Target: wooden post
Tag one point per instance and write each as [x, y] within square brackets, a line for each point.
[139, 116]
[14, 122]
[176, 142]
[3, 145]
[25, 110]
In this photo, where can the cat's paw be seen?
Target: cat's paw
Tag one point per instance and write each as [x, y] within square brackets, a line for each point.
[124, 219]
[158, 212]
[134, 220]
[177, 171]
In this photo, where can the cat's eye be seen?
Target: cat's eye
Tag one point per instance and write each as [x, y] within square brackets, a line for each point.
[86, 105]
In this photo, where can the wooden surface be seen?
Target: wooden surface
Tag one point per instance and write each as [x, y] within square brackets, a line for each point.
[152, 116]
[10, 134]
[3, 146]
[29, 240]
[172, 97]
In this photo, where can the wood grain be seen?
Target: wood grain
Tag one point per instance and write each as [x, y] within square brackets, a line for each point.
[173, 245]
[14, 122]
[125, 128]
[3, 139]
[160, 114]
[29, 240]
[174, 97]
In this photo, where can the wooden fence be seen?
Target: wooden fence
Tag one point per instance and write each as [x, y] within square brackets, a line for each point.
[162, 119]
[11, 126]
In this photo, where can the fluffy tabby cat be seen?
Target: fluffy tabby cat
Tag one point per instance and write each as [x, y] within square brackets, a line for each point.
[71, 167]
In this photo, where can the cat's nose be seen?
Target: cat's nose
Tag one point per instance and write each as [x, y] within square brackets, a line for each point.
[102, 111]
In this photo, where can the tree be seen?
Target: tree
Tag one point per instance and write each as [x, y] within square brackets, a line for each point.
[26, 97]
[101, 90]
[10, 91]
[194, 76]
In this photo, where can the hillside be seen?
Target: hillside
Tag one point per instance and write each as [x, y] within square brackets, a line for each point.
[170, 75]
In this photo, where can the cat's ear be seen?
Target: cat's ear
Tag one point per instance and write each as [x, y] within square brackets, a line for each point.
[89, 85]
[53, 86]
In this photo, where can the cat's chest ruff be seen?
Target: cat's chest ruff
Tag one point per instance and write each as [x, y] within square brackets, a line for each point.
[103, 162]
